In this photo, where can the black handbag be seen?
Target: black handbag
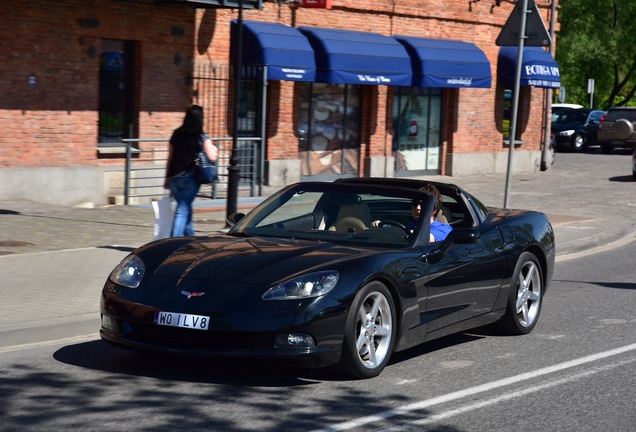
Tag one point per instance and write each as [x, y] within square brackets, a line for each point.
[205, 169]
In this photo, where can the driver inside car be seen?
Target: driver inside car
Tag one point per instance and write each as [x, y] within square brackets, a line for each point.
[439, 230]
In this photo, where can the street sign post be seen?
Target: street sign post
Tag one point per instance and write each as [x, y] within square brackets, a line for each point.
[523, 27]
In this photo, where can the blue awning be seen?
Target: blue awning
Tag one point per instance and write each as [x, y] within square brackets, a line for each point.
[447, 63]
[538, 69]
[284, 50]
[353, 57]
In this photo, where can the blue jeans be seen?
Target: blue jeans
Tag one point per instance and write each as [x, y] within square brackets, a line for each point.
[184, 190]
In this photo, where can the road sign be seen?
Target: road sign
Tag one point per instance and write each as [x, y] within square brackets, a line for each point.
[536, 33]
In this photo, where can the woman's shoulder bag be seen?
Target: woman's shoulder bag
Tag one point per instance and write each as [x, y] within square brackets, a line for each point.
[204, 168]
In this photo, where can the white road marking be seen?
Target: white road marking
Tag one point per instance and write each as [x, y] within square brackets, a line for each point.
[434, 418]
[64, 341]
[359, 422]
[597, 249]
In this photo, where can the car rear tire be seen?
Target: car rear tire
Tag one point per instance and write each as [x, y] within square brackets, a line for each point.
[526, 296]
[578, 143]
[370, 332]
[606, 147]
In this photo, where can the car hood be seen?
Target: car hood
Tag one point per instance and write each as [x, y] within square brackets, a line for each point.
[252, 260]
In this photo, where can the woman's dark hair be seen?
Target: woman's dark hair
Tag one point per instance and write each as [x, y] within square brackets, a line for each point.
[193, 121]
[438, 197]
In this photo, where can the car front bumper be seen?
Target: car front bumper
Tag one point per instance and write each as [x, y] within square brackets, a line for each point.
[133, 326]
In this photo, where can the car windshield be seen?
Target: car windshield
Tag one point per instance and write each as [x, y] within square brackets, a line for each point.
[340, 213]
[569, 116]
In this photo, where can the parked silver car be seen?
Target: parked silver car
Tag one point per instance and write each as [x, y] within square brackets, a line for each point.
[617, 129]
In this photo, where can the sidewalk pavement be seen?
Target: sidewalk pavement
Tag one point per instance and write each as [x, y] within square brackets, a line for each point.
[54, 259]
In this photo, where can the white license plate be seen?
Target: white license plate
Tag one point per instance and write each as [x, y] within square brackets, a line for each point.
[173, 319]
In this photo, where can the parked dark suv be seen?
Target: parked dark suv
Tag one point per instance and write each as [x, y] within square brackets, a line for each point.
[575, 129]
[618, 129]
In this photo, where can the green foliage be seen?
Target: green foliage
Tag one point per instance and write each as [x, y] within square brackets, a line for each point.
[597, 39]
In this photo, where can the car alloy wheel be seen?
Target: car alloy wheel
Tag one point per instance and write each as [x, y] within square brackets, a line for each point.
[526, 296]
[370, 332]
[578, 143]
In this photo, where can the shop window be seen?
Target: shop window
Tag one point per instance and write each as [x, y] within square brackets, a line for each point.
[116, 92]
[250, 102]
[417, 119]
[507, 113]
[523, 107]
[329, 129]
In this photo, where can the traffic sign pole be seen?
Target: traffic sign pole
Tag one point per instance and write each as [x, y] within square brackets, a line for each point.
[515, 100]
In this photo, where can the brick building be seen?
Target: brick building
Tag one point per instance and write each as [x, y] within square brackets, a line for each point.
[79, 76]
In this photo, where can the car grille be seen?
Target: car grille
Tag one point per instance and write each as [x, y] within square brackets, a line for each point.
[194, 340]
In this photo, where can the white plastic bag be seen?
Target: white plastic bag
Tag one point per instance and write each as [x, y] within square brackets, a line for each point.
[164, 213]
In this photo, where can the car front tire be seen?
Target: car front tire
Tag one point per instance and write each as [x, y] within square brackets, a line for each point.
[578, 143]
[526, 296]
[370, 332]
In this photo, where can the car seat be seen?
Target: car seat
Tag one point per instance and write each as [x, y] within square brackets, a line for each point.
[352, 218]
[444, 215]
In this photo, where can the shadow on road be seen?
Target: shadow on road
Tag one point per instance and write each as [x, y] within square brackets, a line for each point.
[97, 355]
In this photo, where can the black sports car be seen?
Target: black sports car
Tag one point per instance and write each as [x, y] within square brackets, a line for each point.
[308, 276]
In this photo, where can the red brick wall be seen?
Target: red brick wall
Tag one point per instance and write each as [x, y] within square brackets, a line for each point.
[54, 123]
[471, 125]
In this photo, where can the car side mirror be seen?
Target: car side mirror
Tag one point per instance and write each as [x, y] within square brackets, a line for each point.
[462, 236]
[458, 236]
[234, 218]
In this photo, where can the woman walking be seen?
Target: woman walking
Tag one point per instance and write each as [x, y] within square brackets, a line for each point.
[185, 143]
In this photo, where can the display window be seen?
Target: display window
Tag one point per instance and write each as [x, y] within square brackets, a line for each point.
[117, 111]
[417, 116]
[329, 130]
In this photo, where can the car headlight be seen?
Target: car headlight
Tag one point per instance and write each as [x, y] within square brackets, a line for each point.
[568, 132]
[306, 286]
[129, 272]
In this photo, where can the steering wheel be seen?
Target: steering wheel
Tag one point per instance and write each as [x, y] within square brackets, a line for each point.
[388, 223]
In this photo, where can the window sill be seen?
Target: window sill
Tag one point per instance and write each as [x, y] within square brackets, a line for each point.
[115, 150]
[518, 143]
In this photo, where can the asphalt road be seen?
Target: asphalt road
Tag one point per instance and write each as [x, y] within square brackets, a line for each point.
[574, 372]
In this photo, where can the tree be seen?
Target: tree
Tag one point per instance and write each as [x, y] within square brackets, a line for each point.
[597, 39]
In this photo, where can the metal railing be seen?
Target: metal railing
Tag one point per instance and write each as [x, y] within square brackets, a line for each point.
[144, 170]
